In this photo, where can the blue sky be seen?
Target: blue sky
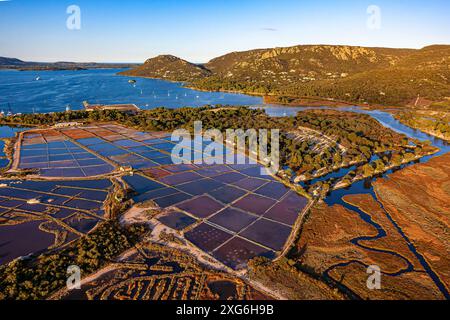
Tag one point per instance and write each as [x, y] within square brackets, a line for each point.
[134, 30]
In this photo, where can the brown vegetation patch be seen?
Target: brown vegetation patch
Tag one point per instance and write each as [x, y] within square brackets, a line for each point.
[393, 240]
[283, 278]
[407, 286]
[326, 241]
[332, 245]
[422, 211]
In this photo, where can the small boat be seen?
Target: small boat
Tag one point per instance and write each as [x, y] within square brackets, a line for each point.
[132, 81]
[10, 113]
[38, 78]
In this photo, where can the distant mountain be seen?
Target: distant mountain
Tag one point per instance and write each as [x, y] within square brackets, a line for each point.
[354, 74]
[13, 63]
[170, 68]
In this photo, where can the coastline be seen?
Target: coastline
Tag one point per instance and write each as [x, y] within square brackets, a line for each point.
[271, 98]
[429, 132]
[62, 68]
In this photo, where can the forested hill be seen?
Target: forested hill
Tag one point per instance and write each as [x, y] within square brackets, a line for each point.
[355, 74]
[11, 62]
[170, 68]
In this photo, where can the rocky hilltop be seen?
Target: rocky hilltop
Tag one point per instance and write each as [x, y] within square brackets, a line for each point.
[170, 68]
[354, 74]
[304, 60]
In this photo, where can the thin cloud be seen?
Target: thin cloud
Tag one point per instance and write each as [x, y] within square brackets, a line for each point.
[269, 29]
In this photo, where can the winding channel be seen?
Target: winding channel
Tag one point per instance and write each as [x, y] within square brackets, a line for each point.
[366, 187]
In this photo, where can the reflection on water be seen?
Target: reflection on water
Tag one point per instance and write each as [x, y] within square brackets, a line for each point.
[7, 132]
[10, 132]
[56, 89]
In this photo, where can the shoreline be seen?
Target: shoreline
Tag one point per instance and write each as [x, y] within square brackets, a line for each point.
[429, 132]
[385, 170]
[314, 102]
[43, 68]
[297, 101]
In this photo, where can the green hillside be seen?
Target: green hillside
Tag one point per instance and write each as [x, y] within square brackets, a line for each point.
[354, 74]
